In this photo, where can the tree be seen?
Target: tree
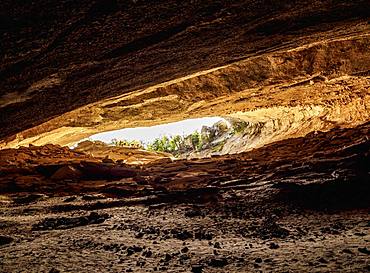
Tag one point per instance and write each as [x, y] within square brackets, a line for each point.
[127, 143]
[175, 143]
[196, 141]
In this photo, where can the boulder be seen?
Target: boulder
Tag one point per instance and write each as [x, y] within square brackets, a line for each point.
[66, 172]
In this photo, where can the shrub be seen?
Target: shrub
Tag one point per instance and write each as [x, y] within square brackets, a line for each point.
[127, 143]
[165, 144]
[239, 127]
[177, 144]
[196, 141]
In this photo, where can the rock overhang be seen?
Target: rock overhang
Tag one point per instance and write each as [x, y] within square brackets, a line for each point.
[318, 71]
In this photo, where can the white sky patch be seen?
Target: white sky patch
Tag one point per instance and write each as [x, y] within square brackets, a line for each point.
[148, 134]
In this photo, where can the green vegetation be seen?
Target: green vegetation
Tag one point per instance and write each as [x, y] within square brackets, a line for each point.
[239, 127]
[196, 141]
[127, 143]
[219, 147]
[177, 144]
[165, 144]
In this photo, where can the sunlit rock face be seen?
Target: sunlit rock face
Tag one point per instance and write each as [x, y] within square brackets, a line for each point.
[277, 92]
[287, 68]
[295, 73]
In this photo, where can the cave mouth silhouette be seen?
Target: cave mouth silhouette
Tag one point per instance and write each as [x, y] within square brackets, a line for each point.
[150, 133]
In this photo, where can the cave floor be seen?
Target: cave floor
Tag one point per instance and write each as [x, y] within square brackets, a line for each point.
[230, 236]
[299, 205]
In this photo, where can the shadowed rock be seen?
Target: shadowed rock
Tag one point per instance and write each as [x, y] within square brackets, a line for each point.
[4, 240]
[70, 222]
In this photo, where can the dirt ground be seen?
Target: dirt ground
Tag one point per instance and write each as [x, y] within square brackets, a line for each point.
[299, 205]
[241, 233]
[70, 69]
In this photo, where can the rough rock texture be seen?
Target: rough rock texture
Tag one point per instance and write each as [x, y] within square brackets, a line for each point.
[49, 169]
[297, 71]
[108, 65]
[236, 213]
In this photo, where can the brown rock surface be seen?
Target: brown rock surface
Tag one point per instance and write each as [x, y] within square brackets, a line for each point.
[66, 172]
[76, 70]
[234, 213]
[296, 197]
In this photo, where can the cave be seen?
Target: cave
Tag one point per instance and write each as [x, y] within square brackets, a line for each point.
[279, 181]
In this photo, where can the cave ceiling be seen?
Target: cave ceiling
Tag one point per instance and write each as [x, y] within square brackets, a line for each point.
[70, 69]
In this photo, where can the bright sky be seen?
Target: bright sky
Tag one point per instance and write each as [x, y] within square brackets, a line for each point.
[148, 134]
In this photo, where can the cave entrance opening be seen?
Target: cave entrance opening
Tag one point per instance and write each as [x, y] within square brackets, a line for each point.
[183, 139]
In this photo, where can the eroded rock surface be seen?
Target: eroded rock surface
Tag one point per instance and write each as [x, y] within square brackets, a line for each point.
[296, 71]
[75, 72]
[234, 213]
